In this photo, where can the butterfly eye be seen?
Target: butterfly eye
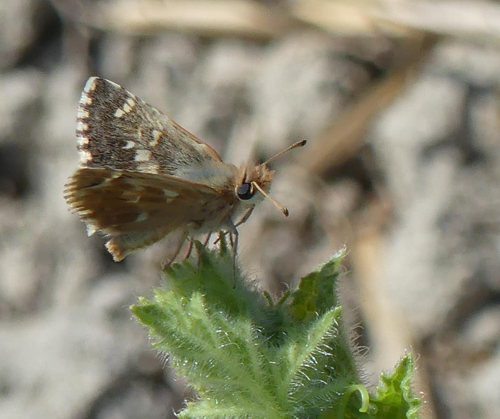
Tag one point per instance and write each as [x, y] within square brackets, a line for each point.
[245, 191]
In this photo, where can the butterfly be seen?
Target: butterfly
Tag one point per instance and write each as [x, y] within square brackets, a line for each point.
[142, 176]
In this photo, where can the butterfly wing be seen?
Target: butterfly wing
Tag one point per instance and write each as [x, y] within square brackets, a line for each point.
[136, 209]
[118, 130]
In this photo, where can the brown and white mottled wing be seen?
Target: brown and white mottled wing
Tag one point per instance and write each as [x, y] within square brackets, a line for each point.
[117, 130]
[135, 210]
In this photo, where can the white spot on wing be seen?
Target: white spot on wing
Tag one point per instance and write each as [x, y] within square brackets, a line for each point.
[81, 126]
[142, 217]
[82, 113]
[90, 85]
[126, 108]
[91, 229]
[85, 99]
[83, 140]
[171, 194]
[85, 156]
[142, 155]
[156, 138]
[134, 199]
[149, 168]
[129, 145]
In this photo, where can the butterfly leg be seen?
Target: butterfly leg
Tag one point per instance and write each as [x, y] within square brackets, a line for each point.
[207, 239]
[233, 239]
[235, 253]
[185, 235]
[245, 217]
[205, 243]
[189, 249]
[243, 220]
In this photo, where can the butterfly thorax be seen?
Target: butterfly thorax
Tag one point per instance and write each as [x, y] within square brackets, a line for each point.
[236, 190]
[217, 175]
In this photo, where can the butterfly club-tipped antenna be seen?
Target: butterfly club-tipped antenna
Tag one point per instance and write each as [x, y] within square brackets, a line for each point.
[281, 207]
[286, 150]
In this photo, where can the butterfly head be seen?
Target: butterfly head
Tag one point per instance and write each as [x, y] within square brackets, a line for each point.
[254, 182]
[251, 181]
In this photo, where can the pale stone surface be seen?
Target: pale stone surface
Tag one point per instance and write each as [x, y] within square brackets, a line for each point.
[68, 345]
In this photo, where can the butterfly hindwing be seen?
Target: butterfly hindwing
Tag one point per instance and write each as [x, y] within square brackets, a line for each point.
[135, 209]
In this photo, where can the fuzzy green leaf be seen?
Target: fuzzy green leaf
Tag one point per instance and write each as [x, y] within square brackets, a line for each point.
[249, 356]
[394, 396]
[316, 292]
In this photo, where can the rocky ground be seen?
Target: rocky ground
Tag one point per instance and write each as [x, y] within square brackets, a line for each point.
[402, 167]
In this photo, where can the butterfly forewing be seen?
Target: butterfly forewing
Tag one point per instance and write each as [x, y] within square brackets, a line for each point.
[118, 130]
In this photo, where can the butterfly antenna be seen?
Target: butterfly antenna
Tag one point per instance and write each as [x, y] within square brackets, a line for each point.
[286, 150]
[282, 208]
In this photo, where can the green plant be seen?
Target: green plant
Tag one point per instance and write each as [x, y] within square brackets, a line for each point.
[251, 356]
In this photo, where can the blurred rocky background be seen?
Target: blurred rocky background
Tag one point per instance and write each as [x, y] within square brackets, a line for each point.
[399, 100]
